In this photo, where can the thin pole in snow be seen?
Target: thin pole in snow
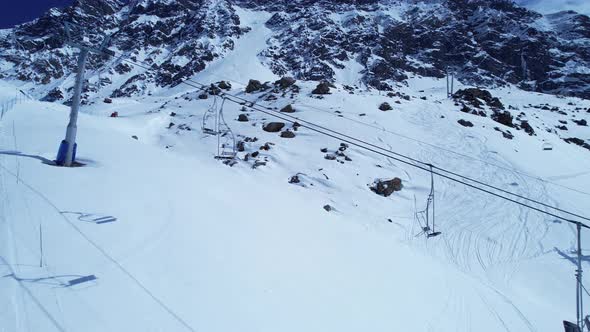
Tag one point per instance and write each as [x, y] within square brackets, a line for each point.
[579, 302]
[41, 244]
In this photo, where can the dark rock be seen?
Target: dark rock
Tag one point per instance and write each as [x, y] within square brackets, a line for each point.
[54, 95]
[253, 86]
[172, 114]
[385, 107]
[241, 146]
[243, 118]
[288, 109]
[330, 157]
[506, 134]
[578, 141]
[294, 179]
[328, 208]
[107, 101]
[581, 122]
[213, 90]
[465, 123]
[465, 109]
[387, 187]
[324, 150]
[285, 82]
[273, 127]
[224, 85]
[203, 96]
[287, 134]
[255, 154]
[527, 128]
[562, 127]
[476, 97]
[170, 125]
[135, 137]
[323, 88]
[504, 118]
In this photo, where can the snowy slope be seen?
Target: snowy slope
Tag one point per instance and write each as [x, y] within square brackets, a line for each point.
[276, 260]
[193, 244]
[552, 6]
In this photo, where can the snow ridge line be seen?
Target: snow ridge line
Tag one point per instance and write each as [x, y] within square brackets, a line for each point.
[104, 253]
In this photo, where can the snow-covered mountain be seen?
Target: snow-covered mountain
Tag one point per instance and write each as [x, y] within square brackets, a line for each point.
[317, 223]
[372, 43]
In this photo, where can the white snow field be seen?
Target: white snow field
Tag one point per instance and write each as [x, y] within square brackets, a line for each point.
[553, 6]
[178, 241]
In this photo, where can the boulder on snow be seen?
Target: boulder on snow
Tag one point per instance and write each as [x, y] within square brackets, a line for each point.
[107, 101]
[385, 107]
[253, 86]
[477, 97]
[294, 179]
[504, 118]
[578, 141]
[527, 128]
[288, 109]
[285, 82]
[54, 95]
[465, 123]
[581, 122]
[287, 134]
[273, 127]
[323, 88]
[224, 85]
[387, 187]
[243, 118]
[328, 208]
[241, 146]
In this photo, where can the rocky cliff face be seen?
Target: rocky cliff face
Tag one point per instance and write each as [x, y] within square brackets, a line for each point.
[485, 42]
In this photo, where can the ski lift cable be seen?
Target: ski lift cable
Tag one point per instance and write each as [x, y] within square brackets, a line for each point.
[509, 169]
[386, 153]
[424, 168]
[296, 119]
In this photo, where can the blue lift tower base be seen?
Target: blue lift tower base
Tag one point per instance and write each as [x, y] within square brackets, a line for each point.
[62, 152]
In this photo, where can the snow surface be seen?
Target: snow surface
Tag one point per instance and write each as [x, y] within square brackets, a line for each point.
[195, 244]
[553, 6]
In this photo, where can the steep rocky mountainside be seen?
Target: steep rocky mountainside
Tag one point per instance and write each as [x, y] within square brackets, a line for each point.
[374, 43]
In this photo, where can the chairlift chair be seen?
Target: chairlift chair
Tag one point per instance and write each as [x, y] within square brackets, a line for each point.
[226, 142]
[429, 219]
[209, 119]
[547, 146]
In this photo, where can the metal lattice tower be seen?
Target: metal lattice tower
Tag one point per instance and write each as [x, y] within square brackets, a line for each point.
[450, 83]
[78, 37]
